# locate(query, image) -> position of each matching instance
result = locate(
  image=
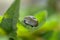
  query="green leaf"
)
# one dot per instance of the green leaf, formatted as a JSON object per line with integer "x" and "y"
{"x": 2, "y": 32}
{"x": 41, "y": 16}
{"x": 49, "y": 25}
{"x": 10, "y": 17}
{"x": 54, "y": 36}
{"x": 48, "y": 34}
{"x": 1, "y": 17}
{"x": 58, "y": 35}
{"x": 22, "y": 31}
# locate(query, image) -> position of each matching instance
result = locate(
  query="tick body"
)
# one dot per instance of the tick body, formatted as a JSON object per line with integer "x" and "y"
{"x": 30, "y": 20}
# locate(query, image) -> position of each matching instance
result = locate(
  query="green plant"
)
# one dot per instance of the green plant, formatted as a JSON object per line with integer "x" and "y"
{"x": 10, "y": 19}
{"x": 10, "y": 23}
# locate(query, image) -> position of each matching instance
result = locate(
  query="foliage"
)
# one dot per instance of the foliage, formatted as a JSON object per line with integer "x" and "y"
{"x": 47, "y": 28}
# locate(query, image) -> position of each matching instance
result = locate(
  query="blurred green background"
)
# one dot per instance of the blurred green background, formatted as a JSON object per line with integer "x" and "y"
{"x": 47, "y": 13}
